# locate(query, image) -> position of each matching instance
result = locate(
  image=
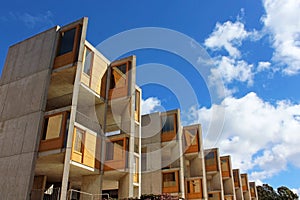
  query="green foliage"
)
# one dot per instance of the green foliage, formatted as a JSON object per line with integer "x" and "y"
{"x": 266, "y": 192}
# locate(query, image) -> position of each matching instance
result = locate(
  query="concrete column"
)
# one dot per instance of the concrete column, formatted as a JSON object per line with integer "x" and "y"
{"x": 91, "y": 184}
{"x": 125, "y": 188}
{"x": 39, "y": 185}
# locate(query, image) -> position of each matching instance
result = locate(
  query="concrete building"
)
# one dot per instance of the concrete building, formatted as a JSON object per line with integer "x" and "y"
{"x": 213, "y": 174}
{"x": 227, "y": 177}
{"x": 70, "y": 119}
{"x": 162, "y": 161}
{"x": 245, "y": 187}
{"x": 71, "y": 128}
{"x": 238, "y": 184}
{"x": 253, "y": 190}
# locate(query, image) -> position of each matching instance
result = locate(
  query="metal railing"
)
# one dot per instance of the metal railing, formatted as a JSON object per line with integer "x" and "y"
{"x": 49, "y": 194}
{"x": 79, "y": 195}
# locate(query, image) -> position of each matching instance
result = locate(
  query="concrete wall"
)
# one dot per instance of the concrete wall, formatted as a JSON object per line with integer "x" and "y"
{"x": 23, "y": 90}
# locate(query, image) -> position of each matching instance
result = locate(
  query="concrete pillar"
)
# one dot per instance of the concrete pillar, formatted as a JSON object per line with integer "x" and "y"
{"x": 91, "y": 184}
{"x": 125, "y": 188}
{"x": 39, "y": 185}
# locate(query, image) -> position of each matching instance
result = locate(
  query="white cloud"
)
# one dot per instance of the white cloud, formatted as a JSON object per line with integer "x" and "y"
{"x": 229, "y": 36}
{"x": 230, "y": 70}
{"x": 282, "y": 22}
{"x": 31, "y": 20}
{"x": 150, "y": 105}
{"x": 261, "y": 137}
{"x": 297, "y": 191}
{"x": 262, "y": 66}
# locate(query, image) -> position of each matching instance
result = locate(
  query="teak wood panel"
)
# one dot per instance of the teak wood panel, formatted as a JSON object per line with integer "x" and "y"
{"x": 171, "y": 189}
{"x": 193, "y": 194}
{"x": 55, "y": 143}
{"x": 193, "y": 147}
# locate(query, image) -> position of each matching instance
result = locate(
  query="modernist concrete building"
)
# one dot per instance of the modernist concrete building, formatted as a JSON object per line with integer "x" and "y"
{"x": 71, "y": 128}
{"x": 227, "y": 177}
{"x": 70, "y": 119}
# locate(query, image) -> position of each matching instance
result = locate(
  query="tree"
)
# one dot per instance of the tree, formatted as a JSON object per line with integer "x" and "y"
{"x": 266, "y": 192}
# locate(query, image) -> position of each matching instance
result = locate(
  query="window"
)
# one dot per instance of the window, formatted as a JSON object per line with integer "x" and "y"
{"x": 190, "y": 136}
{"x": 66, "y": 41}
{"x": 78, "y": 140}
{"x": 224, "y": 165}
{"x": 114, "y": 150}
{"x": 169, "y": 179}
{"x": 118, "y": 76}
{"x": 210, "y": 158}
{"x": 168, "y": 123}
{"x": 236, "y": 178}
{"x": 88, "y": 61}
{"x": 52, "y": 127}
{"x": 136, "y": 170}
{"x": 194, "y": 186}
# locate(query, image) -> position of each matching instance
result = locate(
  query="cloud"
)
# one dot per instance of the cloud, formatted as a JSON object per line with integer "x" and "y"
{"x": 282, "y": 22}
{"x": 230, "y": 70}
{"x": 229, "y": 36}
{"x": 260, "y": 136}
{"x": 262, "y": 66}
{"x": 150, "y": 105}
{"x": 297, "y": 191}
{"x": 31, "y": 20}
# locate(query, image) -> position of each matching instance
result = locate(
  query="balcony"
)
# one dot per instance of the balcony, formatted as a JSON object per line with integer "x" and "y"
{"x": 116, "y": 154}
{"x": 55, "y": 129}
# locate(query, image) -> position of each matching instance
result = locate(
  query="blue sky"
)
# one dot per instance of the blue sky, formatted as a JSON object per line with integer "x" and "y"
{"x": 254, "y": 46}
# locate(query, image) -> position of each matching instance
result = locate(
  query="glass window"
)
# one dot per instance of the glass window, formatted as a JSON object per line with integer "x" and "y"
{"x": 168, "y": 123}
{"x": 210, "y": 158}
{"x": 169, "y": 179}
{"x": 52, "y": 127}
{"x": 66, "y": 41}
{"x": 78, "y": 140}
{"x": 88, "y": 61}
{"x": 190, "y": 137}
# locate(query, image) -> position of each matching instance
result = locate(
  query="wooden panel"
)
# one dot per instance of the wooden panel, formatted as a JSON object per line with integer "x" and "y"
{"x": 98, "y": 70}
{"x": 171, "y": 188}
{"x": 55, "y": 143}
{"x": 85, "y": 79}
{"x": 76, "y": 156}
{"x": 195, "y": 188}
{"x": 89, "y": 150}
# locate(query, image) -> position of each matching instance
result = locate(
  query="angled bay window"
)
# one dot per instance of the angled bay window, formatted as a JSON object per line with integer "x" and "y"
{"x": 244, "y": 179}
{"x": 236, "y": 178}
{"x": 68, "y": 45}
{"x": 225, "y": 167}
{"x": 169, "y": 127}
{"x": 170, "y": 182}
{"x": 191, "y": 139}
{"x": 119, "y": 79}
{"x": 54, "y": 131}
{"x": 194, "y": 189}
{"x": 211, "y": 163}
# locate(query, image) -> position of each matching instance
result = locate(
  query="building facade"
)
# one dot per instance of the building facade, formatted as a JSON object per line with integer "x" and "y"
{"x": 71, "y": 128}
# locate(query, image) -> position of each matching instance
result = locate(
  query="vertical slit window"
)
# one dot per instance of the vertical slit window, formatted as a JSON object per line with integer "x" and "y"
{"x": 78, "y": 140}
{"x": 88, "y": 61}
{"x": 66, "y": 41}
{"x": 168, "y": 123}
